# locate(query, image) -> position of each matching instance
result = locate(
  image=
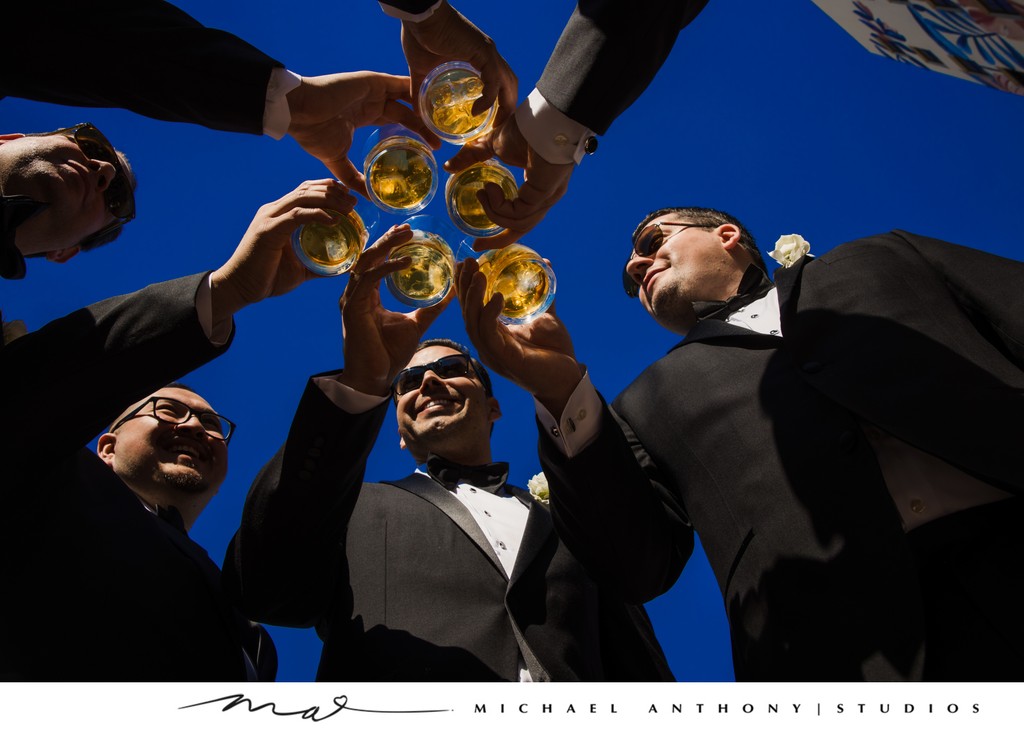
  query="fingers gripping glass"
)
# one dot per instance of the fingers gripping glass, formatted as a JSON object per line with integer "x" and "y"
{"x": 447, "y": 367}
{"x": 646, "y": 243}
{"x": 118, "y": 196}
{"x": 168, "y": 410}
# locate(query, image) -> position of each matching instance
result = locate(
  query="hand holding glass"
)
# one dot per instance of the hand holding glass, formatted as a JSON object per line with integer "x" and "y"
{"x": 524, "y": 279}
{"x": 446, "y": 100}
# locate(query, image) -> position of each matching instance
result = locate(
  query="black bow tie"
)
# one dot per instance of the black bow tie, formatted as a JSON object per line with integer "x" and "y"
{"x": 488, "y": 477}
{"x": 754, "y": 284}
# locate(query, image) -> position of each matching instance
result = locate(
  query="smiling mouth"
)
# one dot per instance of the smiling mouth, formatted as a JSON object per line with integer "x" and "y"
{"x": 438, "y": 404}
{"x": 184, "y": 449}
{"x": 649, "y": 277}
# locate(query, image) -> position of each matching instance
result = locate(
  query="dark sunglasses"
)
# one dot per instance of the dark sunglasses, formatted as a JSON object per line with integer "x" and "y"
{"x": 447, "y": 367}
{"x": 645, "y": 244}
{"x": 118, "y": 196}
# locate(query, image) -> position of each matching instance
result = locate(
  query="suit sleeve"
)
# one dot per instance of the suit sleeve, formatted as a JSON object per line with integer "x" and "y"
{"x": 608, "y": 53}
{"x": 67, "y": 381}
{"x": 142, "y": 55}
{"x": 284, "y": 562}
{"x": 989, "y": 288}
{"x": 615, "y": 515}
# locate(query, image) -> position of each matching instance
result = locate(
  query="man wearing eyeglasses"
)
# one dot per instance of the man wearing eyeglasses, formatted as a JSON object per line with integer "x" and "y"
{"x": 449, "y": 574}
{"x": 845, "y": 442}
{"x": 86, "y": 565}
{"x": 63, "y": 192}
{"x": 109, "y": 586}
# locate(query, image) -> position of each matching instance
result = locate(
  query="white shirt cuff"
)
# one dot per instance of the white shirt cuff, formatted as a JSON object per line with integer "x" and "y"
{"x": 218, "y": 333}
{"x": 580, "y": 422}
{"x": 277, "y": 116}
{"x": 413, "y": 17}
{"x": 556, "y": 138}
{"x": 350, "y": 400}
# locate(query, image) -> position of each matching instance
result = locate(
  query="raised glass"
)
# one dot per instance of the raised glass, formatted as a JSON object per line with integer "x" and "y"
{"x": 446, "y": 100}
{"x": 332, "y": 249}
{"x": 400, "y": 170}
{"x": 523, "y": 278}
{"x": 429, "y": 276}
{"x": 465, "y": 208}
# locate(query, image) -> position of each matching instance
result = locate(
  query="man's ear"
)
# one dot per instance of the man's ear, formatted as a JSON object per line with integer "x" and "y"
{"x": 63, "y": 255}
{"x": 728, "y": 235}
{"x": 494, "y": 409}
{"x": 105, "y": 448}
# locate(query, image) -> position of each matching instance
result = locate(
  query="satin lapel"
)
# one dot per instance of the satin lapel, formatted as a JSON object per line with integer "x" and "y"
{"x": 426, "y": 488}
{"x": 539, "y": 528}
{"x": 787, "y": 282}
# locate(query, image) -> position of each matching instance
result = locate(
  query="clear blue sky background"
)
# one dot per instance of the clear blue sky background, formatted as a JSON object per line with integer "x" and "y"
{"x": 767, "y": 110}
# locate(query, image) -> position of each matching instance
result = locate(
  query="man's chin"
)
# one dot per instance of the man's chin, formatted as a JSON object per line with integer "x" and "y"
{"x": 185, "y": 479}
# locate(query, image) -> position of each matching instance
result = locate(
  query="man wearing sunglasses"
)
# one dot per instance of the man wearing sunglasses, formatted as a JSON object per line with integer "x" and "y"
{"x": 80, "y": 550}
{"x": 171, "y": 67}
{"x": 845, "y": 442}
{"x": 63, "y": 192}
{"x": 449, "y": 574}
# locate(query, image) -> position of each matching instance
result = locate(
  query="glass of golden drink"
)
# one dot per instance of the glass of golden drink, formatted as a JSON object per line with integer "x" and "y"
{"x": 446, "y": 101}
{"x": 523, "y": 278}
{"x": 465, "y": 208}
{"x": 400, "y": 170}
{"x": 430, "y": 275}
{"x": 332, "y": 249}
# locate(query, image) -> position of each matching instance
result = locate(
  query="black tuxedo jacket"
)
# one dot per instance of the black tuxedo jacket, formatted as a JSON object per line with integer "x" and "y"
{"x": 95, "y": 586}
{"x": 154, "y": 59}
{"x": 401, "y": 583}
{"x": 608, "y": 53}
{"x": 755, "y": 441}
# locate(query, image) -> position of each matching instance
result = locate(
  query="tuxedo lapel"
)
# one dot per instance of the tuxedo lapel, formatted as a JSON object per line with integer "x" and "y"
{"x": 539, "y": 528}
{"x": 429, "y": 490}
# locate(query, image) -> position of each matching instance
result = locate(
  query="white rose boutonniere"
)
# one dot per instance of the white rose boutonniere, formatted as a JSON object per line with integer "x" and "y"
{"x": 538, "y": 486}
{"x": 789, "y": 248}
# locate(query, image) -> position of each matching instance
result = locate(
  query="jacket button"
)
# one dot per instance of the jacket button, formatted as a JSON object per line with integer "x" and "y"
{"x": 847, "y": 441}
{"x": 811, "y": 367}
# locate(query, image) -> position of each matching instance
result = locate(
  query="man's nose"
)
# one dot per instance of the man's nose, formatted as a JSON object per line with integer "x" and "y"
{"x": 431, "y": 377}
{"x": 104, "y": 173}
{"x": 637, "y": 267}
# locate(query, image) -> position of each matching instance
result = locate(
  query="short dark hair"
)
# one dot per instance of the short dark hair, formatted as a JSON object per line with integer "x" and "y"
{"x": 709, "y": 218}
{"x": 485, "y": 378}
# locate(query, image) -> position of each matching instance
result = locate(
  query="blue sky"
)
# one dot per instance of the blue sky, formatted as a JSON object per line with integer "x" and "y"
{"x": 766, "y": 110}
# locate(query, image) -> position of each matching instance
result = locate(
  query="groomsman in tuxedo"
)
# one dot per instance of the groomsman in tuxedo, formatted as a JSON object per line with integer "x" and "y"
{"x": 448, "y": 574}
{"x": 844, "y": 440}
{"x": 102, "y": 582}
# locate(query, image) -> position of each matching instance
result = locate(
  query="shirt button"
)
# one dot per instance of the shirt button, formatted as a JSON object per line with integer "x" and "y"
{"x": 582, "y": 414}
{"x": 502, "y": 545}
{"x": 487, "y": 513}
{"x": 753, "y": 315}
{"x": 917, "y": 506}
{"x": 472, "y": 490}
{"x": 775, "y": 332}
{"x": 554, "y": 431}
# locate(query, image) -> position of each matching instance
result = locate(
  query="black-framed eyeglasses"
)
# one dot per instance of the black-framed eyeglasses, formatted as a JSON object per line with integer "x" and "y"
{"x": 175, "y": 412}
{"x": 118, "y": 195}
{"x": 447, "y": 367}
{"x": 646, "y": 243}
